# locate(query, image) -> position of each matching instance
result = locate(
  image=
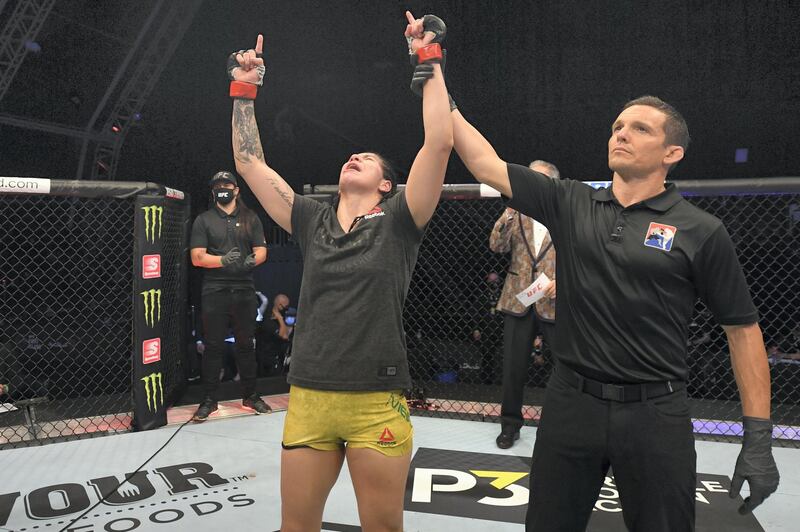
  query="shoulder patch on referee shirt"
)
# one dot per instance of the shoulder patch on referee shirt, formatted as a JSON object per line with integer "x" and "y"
{"x": 660, "y": 236}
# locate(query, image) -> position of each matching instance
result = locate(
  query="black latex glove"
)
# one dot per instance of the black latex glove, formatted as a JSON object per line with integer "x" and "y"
{"x": 422, "y": 73}
{"x": 250, "y": 261}
{"x": 230, "y": 257}
{"x": 755, "y": 464}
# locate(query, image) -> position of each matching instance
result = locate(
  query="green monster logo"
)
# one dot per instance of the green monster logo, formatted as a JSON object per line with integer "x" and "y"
{"x": 152, "y": 306}
{"x": 150, "y": 390}
{"x": 152, "y": 222}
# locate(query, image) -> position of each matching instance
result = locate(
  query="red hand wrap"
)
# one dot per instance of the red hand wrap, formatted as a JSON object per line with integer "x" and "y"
{"x": 240, "y": 89}
{"x": 429, "y": 53}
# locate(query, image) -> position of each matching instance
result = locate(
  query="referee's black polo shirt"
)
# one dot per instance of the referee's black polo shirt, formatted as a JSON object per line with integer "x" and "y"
{"x": 219, "y": 233}
{"x": 628, "y": 277}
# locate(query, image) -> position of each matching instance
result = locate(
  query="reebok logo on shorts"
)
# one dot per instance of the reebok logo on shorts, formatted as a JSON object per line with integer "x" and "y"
{"x": 387, "y": 438}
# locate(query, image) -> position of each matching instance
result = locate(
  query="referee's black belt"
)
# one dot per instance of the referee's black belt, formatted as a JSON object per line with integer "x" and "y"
{"x": 622, "y": 393}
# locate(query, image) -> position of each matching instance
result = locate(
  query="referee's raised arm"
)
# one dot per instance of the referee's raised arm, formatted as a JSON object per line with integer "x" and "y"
{"x": 479, "y": 156}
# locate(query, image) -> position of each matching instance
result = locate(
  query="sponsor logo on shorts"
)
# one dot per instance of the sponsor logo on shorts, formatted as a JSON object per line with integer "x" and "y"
{"x": 387, "y": 438}
{"x": 660, "y": 236}
{"x": 398, "y": 403}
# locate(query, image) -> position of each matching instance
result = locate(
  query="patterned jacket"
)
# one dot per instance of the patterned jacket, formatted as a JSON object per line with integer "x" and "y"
{"x": 516, "y": 236}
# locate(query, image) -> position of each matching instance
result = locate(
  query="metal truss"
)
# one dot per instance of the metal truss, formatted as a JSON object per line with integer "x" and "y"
{"x": 23, "y": 25}
{"x": 125, "y": 96}
{"x": 162, "y": 37}
{"x": 52, "y": 127}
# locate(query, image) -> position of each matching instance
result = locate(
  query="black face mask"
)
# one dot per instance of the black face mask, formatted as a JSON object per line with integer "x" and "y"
{"x": 223, "y": 196}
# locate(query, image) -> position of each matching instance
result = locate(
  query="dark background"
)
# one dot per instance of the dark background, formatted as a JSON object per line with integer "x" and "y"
{"x": 541, "y": 79}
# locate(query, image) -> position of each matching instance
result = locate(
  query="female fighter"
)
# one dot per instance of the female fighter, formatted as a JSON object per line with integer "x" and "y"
{"x": 349, "y": 361}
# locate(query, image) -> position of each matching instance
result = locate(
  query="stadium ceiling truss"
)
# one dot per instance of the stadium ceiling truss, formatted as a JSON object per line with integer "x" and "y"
{"x": 121, "y": 105}
{"x": 22, "y": 27}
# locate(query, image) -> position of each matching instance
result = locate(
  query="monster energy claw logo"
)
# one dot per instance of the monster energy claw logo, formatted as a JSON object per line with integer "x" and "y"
{"x": 150, "y": 390}
{"x": 152, "y": 306}
{"x": 152, "y": 222}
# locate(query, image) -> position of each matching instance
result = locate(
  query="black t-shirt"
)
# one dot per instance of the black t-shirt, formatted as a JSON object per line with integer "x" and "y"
{"x": 218, "y": 233}
{"x": 267, "y": 338}
{"x": 628, "y": 277}
{"x": 349, "y": 331}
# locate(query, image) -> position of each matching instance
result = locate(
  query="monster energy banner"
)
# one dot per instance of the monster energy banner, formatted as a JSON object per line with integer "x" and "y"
{"x": 148, "y": 369}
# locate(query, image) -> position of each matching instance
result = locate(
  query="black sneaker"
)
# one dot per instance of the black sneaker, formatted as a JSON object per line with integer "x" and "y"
{"x": 205, "y": 408}
{"x": 507, "y": 437}
{"x": 257, "y": 404}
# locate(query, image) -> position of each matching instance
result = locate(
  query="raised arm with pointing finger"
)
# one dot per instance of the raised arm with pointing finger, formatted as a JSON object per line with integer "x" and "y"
{"x": 246, "y": 67}
{"x": 246, "y": 70}
{"x": 427, "y": 173}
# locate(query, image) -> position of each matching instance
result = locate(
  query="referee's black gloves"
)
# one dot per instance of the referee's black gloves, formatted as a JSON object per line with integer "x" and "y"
{"x": 755, "y": 464}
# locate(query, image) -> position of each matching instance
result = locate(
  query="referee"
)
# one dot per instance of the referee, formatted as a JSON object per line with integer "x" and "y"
{"x": 228, "y": 242}
{"x": 632, "y": 259}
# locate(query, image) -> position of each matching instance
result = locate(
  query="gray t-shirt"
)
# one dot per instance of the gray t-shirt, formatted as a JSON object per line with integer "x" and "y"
{"x": 349, "y": 332}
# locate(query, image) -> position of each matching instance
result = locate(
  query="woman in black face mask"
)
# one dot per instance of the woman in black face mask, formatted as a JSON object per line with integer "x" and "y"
{"x": 225, "y": 194}
{"x": 228, "y": 240}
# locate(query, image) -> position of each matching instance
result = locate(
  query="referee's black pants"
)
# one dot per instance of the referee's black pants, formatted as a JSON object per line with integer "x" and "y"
{"x": 649, "y": 445}
{"x": 518, "y": 335}
{"x": 222, "y": 308}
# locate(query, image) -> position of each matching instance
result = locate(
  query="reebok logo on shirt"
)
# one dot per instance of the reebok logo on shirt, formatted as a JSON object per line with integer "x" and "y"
{"x": 377, "y": 211}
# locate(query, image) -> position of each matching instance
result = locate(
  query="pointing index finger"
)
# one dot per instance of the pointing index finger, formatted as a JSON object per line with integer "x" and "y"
{"x": 410, "y": 17}
{"x": 259, "y": 43}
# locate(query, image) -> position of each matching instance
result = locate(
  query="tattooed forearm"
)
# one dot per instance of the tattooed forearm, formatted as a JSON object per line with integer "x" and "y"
{"x": 246, "y": 140}
{"x": 283, "y": 190}
{"x": 247, "y": 146}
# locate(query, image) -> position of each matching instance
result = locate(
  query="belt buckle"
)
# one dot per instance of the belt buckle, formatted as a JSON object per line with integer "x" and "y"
{"x": 613, "y": 392}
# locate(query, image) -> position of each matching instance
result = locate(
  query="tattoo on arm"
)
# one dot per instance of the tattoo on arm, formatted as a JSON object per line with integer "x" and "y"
{"x": 247, "y": 145}
{"x": 246, "y": 140}
{"x": 283, "y": 190}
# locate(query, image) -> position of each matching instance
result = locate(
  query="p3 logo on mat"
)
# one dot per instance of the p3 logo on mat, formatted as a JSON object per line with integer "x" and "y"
{"x": 494, "y": 487}
{"x": 463, "y": 484}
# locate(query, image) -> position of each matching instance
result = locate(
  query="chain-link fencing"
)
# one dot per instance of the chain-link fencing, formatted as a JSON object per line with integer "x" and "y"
{"x": 67, "y": 268}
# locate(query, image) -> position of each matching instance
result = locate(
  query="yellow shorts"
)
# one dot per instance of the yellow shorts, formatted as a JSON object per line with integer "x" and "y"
{"x": 329, "y": 420}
